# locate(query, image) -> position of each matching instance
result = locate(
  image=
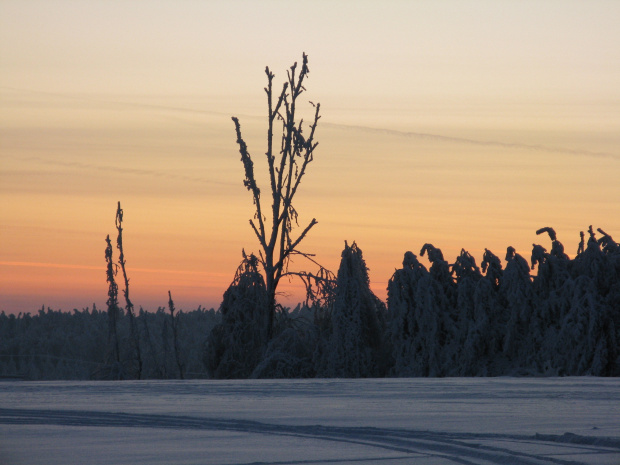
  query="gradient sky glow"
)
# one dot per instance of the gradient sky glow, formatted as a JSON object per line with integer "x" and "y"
{"x": 463, "y": 124}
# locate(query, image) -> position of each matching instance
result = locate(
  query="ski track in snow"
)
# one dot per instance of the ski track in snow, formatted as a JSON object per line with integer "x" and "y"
{"x": 460, "y": 448}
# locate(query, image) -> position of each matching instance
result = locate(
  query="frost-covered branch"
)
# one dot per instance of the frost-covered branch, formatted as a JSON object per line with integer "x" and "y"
{"x": 286, "y": 170}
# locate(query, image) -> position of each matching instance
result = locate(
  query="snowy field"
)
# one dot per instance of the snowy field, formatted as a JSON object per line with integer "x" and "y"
{"x": 383, "y": 421}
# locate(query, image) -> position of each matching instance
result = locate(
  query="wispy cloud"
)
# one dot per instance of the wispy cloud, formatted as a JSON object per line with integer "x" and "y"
{"x": 125, "y": 170}
{"x": 112, "y": 101}
{"x": 51, "y": 265}
{"x": 99, "y": 268}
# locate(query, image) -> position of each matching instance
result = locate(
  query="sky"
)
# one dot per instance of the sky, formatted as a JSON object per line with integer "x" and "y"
{"x": 462, "y": 124}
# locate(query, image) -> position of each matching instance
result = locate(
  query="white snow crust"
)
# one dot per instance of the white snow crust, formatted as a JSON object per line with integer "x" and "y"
{"x": 316, "y": 421}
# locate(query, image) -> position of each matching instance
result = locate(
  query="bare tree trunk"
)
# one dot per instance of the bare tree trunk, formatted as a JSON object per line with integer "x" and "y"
{"x": 175, "y": 337}
{"x": 113, "y": 310}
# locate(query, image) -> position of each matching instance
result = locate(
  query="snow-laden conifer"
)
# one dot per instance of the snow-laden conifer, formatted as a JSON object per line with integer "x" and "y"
{"x": 355, "y": 344}
{"x": 516, "y": 293}
{"x": 485, "y": 336}
{"x": 403, "y": 314}
{"x": 551, "y": 288}
{"x": 236, "y": 346}
{"x": 472, "y": 321}
{"x": 434, "y": 343}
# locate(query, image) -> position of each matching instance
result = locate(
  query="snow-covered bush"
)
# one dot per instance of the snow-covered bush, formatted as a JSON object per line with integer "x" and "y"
{"x": 289, "y": 354}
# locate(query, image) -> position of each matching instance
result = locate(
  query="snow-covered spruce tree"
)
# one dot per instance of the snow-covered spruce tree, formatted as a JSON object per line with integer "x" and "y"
{"x": 236, "y": 346}
{"x": 287, "y": 163}
{"x": 611, "y": 249}
{"x": 516, "y": 293}
{"x": 487, "y": 337}
{"x": 588, "y": 338}
{"x": 355, "y": 348}
{"x": 551, "y": 288}
{"x": 577, "y": 341}
{"x": 472, "y": 323}
{"x": 435, "y": 343}
{"x": 601, "y": 261}
{"x": 554, "y": 266}
{"x": 492, "y": 267}
{"x": 403, "y": 314}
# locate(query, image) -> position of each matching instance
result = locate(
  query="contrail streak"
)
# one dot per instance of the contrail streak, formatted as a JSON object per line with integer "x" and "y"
{"x": 477, "y": 142}
{"x": 350, "y": 127}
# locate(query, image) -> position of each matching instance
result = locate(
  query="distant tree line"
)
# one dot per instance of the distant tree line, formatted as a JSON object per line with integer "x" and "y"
{"x": 447, "y": 320}
{"x": 53, "y": 344}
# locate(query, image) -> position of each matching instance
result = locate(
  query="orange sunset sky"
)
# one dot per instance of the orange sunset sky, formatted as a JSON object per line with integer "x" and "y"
{"x": 466, "y": 124}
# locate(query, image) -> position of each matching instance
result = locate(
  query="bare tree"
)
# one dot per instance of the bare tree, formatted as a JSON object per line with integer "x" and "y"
{"x": 113, "y": 309}
{"x": 287, "y": 166}
{"x": 128, "y": 303}
{"x": 175, "y": 334}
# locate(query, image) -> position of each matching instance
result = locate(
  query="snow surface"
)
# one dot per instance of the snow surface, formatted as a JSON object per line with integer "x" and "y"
{"x": 391, "y": 421}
